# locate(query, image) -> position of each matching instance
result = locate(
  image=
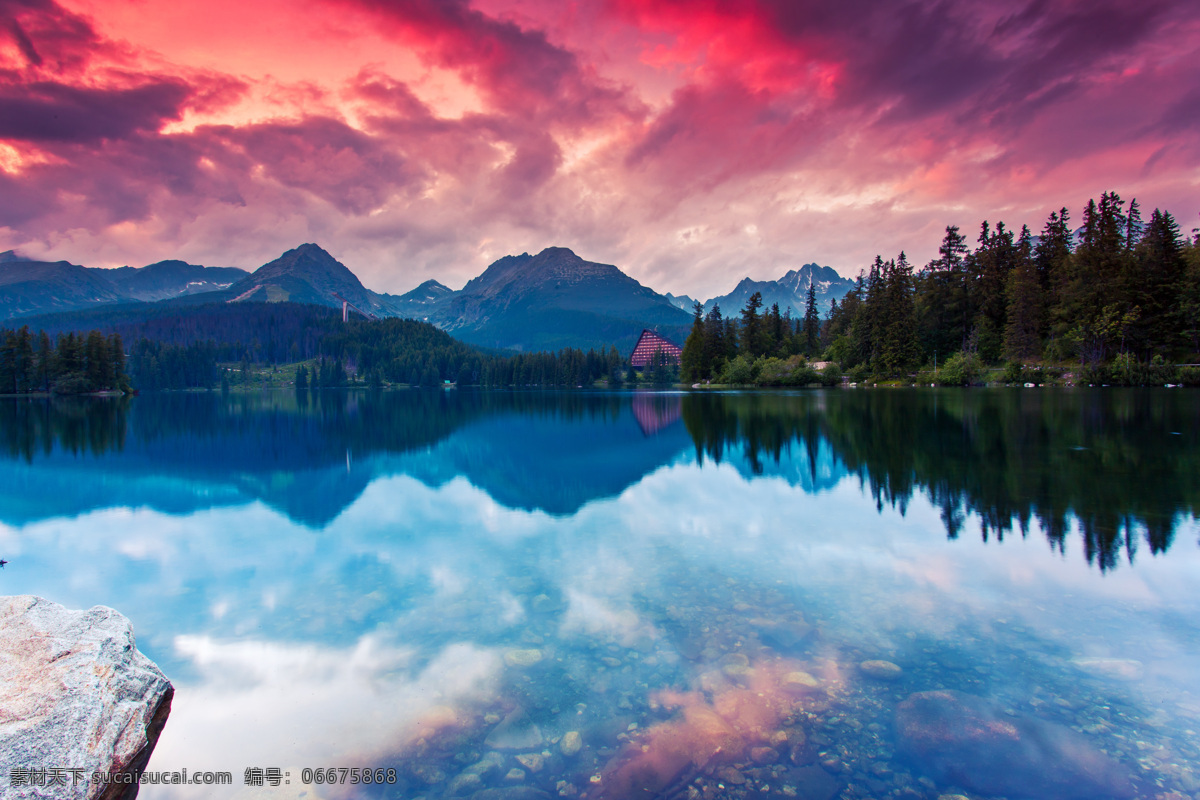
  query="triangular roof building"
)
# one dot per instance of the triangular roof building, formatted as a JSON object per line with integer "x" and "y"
{"x": 651, "y": 343}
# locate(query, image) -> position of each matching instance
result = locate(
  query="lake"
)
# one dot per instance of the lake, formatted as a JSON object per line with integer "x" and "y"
{"x": 858, "y": 594}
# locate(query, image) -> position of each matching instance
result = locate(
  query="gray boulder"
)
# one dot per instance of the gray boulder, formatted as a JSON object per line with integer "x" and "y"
{"x": 75, "y": 694}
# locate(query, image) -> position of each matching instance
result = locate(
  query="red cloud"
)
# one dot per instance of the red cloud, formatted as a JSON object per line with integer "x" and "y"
{"x": 761, "y": 127}
{"x": 519, "y": 70}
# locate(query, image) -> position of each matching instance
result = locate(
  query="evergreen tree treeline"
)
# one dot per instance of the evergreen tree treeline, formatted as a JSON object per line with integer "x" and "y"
{"x": 1127, "y": 292}
{"x": 73, "y": 364}
{"x": 377, "y": 351}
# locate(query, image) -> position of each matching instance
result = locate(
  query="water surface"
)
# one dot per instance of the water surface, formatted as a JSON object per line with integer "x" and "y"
{"x": 690, "y": 589}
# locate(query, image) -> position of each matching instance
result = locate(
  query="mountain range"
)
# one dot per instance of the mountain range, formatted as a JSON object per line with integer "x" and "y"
{"x": 30, "y": 287}
{"x": 546, "y": 301}
{"x": 790, "y": 291}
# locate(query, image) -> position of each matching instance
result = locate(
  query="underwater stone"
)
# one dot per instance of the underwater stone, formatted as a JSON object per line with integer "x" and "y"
{"x": 531, "y": 761}
{"x": 969, "y": 741}
{"x": 464, "y": 784}
{"x": 516, "y": 732}
{"x": 731, "y": 775}
{"x": 880, "y": 670}
{"x": 800, "y": 680}
{"x": 812, "y": 783}
{"x": 522, "y": 658}
{"x": 763, "y": 755}
{"x": 571, "y": 743}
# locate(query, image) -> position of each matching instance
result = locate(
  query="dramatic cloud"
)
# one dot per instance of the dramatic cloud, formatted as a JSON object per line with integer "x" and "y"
{"x": 690, "y": 142}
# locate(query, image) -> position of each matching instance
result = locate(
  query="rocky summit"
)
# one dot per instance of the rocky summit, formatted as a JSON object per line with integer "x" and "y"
{"x": 75, "y": 693}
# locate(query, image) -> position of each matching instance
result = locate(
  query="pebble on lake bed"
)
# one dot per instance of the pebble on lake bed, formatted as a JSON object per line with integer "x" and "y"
{"x": 880, "y": 670}
{"x": 522, "y": 658}
{"x": 531, "y": 761}
{"x": 571, "y": 743}
{"x": 800, "y": 680}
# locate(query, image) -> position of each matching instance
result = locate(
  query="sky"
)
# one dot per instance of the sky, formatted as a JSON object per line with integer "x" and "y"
{"x": 689, "y": 142}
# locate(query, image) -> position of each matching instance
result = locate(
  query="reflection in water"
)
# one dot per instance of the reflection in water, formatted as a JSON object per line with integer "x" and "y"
{"x": 1122, "y": 464}
{"x": 720, "y": 596}
{"x": 656, "y": 411}
{"x": 1122, "y": 467}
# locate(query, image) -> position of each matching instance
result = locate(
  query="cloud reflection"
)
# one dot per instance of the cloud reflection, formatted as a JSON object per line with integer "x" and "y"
{"x": 260, "y": 703}
{"x": 349, "y": 644}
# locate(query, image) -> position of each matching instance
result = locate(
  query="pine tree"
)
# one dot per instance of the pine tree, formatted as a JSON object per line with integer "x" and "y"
{"x": 866, "y": 329}
{"x": 116, "y": 360}
{"x": 775, "y": 334}
{"x": 1052, "y": 255}
{"x": 898, "y": 349}
{"x": 715, "y": 349}
{"x": 24, "y": 363}
{"x": 44, "y": 362}
{"x": 1098, "y": 300}
{"x": 812, "y": 322}
{"x": 989, "y": 267}
{"x": 752, "y": 328}
{"x": 943, "y": 314}
{"x": 692, "y": 367}
{"x": 614, "y": 367}
{"x": 1161, "y": 268}
{"x": 1022, "y": 339}
{"x": 98, "y": 370}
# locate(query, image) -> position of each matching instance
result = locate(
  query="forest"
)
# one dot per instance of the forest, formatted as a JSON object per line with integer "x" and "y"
{"x": 190, "y": 355}
{"x": 71, "y": 364}
{"x": 1116, "y": 301}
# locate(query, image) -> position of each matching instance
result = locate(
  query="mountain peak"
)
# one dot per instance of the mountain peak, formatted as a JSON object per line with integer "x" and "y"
{"x": 790, "y": 291}
{"x": 558, "y": 252}
{"x": 307, "y": 259}
{"x": 305, "y": 274}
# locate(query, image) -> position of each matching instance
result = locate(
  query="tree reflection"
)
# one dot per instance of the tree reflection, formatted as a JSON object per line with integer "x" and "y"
{"x": 1119, "y": 466}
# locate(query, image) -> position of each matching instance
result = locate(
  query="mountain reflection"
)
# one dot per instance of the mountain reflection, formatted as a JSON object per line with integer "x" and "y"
{"x": 1120, "y": 466}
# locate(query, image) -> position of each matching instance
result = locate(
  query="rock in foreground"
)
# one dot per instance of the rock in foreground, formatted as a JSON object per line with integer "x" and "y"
{"x": 75, "y": 694}
{"x": 968, "y": 741}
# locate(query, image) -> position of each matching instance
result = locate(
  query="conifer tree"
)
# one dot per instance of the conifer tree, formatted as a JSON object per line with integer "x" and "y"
{"x": 1161, "y": 270}
{"x": 751, "y": 340}
{"x": 812, "y": 322}
{"x": 116, "y": 358}
{"x": 774, "y": 334}
{"x": 898, "y": 349}
{"x": 691, "y": 361}
{"x": 1052, "y": 255}
{"x": 44, "y": 368}
{"x": 1022, "y": 333}
{"x": 866, "y": 330}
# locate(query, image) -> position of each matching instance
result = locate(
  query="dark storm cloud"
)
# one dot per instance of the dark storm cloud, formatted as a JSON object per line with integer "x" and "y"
{"x": 54, "y": 112}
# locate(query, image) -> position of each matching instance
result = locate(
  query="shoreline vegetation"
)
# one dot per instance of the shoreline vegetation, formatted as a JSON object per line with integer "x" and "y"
{"x": 1116, "y": 302}
{"x": 1113, "y": 303}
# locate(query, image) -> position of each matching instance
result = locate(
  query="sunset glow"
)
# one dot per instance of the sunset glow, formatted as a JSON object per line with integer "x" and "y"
{"x": 690, "y": 143}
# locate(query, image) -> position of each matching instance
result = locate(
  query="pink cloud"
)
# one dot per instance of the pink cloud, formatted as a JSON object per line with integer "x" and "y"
{"x": 689, "y": 142}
